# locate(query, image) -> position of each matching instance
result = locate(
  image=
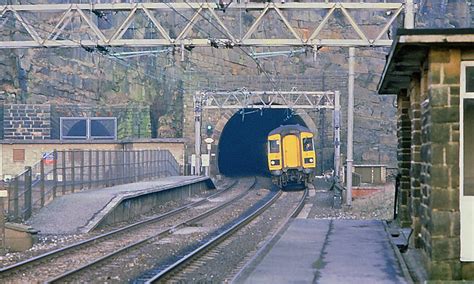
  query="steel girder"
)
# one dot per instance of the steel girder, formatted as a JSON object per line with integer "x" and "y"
{"x": 88, "y": 14}
{"x": 242, "y": 99}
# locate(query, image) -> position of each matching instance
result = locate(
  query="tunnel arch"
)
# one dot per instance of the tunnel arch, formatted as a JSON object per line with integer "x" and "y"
{"x": 240, "y": 138}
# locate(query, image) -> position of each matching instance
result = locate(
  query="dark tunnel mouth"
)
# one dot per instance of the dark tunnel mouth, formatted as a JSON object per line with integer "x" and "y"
{"x": 242, "y": 144}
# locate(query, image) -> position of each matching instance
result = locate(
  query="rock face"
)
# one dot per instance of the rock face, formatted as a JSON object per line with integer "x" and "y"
{"x": 166, "y": 84}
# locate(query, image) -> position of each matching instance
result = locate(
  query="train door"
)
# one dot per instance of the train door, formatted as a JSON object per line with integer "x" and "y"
{"x": 291, "y": 151}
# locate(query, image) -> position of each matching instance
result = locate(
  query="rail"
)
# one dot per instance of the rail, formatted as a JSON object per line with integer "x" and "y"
{"x": 62, "y": 172}
{"x": 160, "y": 275}
{"x": 37, "y": 260}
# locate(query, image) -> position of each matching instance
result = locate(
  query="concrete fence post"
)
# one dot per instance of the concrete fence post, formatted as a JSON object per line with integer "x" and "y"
{"x": 42, "y": 178}
{"x": 89, "y": 174}
{"x": 110, "y": 171}
{"x": 15, "y": 198}
{"x": 55, "y": 173}
{"x": 134, "y": 172}
{"x": 64, "y": 178}
{"x": 28, "y": 193}
{"x": 3, "y": 196}
{"x": 97, "y": 167}
{"x": 73, "y": 170}
{"x": 104, "y": 170}
{"x": 139, "y": 166}
{"x": 82, "y": 170}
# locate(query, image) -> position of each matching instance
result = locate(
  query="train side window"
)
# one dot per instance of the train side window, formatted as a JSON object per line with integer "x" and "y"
{"x": 274, "y": 146}
{"x": 308, "y": 144}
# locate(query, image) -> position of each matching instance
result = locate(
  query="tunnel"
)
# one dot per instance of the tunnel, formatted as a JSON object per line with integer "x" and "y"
{"x": 242, "y": 145}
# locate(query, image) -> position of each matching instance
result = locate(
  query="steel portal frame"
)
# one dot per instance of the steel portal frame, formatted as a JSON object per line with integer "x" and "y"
{"x": 245, "y": 99}
{"x": 88, "y": 13}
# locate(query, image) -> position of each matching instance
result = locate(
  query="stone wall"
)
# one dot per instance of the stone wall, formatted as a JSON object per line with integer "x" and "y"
{"x": 404, "y": 156}
{"x": 27, "y": 122}
{"x": 442, "y": 228}
{"x": 64, "y": 76}
{"x": 428, "y": 139}
{"x": 415, "y": 158}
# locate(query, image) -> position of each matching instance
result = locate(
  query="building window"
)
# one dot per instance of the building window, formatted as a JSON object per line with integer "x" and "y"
{"x": 18, "y": 155}
{"x": 469, "y": 79}
{"x": 93, "y": 128}
{"x": 466, "y": 160}
{"x": 468, "y": 139}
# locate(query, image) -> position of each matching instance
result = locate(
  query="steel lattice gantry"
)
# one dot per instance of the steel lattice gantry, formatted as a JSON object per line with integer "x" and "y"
{"x": 243, "y": 98}
{"x": 48, "y": 29}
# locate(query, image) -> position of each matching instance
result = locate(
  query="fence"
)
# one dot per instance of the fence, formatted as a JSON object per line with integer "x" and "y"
{"x": 62, "y": 172}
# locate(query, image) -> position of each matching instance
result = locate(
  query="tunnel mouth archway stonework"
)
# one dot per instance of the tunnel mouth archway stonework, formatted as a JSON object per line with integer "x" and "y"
{"x": 221, "y": 120}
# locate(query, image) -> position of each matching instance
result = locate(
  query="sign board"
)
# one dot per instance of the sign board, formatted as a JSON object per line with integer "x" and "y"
{"x": 193, "y": 159}
{"x": 48, "y": 158}
{"x": 205, "y": 160}
{"x": 3, "y": 193}
{"x": 209, "y": 140}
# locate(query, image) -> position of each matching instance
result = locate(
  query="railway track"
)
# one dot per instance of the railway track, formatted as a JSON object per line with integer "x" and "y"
{"x": 98, "y": 248}
{"x": 210, "y": 248}
{"x": 99, "y": 269}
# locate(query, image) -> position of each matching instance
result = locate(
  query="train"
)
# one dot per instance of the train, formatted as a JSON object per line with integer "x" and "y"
{"x": 291, "y": 155}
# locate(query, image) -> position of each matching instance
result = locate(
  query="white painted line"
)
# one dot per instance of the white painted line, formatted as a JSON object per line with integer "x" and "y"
{"x": 305, "y": 212}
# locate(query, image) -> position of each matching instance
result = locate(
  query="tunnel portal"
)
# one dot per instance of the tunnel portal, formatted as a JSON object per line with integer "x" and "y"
{"x": 242, "y": 145}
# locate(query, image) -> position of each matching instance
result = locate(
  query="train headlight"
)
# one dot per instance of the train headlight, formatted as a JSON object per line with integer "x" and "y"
{"x": 311, "y": 160}
{"x": 272, "y": 163}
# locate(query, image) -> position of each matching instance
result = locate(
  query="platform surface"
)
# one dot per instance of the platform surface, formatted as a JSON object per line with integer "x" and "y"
{"x": 68, "y": 214}
{"x": 328, "y": 251}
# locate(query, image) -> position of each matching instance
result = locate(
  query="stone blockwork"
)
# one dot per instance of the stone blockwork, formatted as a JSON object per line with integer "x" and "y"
{"x": 404, "y": 155}
{"x": 64, "y": 76}
{"x": 27, "y": 122}
{"x": 441, "y": 229}
{"x": 428, "y": 147}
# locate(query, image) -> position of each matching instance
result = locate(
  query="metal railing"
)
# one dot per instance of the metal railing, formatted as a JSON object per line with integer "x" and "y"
{"x": 62, "y": 172}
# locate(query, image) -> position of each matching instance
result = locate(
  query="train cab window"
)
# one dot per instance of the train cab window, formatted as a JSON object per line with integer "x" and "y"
{"x": 308, "y": 144}
{"x": 274, "y": 146}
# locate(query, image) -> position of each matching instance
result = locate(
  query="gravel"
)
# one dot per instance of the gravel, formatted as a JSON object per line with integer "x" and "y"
{"x": 49, "y": 242}
{"x": 375, "y": 206}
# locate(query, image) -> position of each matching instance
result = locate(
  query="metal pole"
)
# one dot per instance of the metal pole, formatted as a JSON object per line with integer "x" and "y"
{"x": 350, "y": 126}
{"x": 409, "y": 15}
{"x": 337, "y": 133}
{"x": 28, "y": 193}
{"x": 197, "y": 132}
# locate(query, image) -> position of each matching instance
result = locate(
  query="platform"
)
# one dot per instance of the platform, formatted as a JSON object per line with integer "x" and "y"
{"x": 328, "y": 251}
{"x": 84, "y": 210}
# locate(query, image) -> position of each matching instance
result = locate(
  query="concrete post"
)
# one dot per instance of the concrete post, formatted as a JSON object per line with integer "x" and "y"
{"x": 350, "y": 126}
{"x": 197, "y": 132}
{"x": 337, "y": 133}
{"x": 3, "y": 197}
{"x": 409, "y": 22}
{"x": 42, "y": 181}
{"x": 73, "y": 170}
{"x": 55, "y": 173}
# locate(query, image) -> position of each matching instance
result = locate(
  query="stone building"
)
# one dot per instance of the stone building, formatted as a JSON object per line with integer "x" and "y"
{"x": 432, "y": 73}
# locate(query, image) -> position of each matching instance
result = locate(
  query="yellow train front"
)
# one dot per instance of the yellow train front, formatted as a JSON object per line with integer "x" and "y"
{"x": 291, "y": 155}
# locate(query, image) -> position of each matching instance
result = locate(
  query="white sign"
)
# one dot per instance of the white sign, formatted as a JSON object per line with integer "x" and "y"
{"x": 209, "y": 140}
{"x": 193, "y": 159}
{"x": 205, "y": 160}
{"x": 3, "y": 193}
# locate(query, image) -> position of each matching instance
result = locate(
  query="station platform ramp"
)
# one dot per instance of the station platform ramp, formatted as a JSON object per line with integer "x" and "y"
{"x": 84, "y": 211}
